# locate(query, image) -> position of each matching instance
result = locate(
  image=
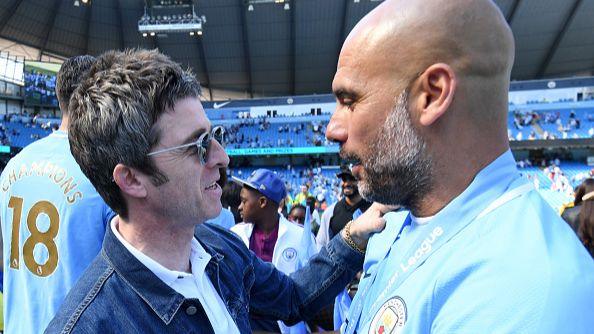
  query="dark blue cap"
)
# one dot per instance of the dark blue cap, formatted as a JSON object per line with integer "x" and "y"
{"x": 267, "y": 183}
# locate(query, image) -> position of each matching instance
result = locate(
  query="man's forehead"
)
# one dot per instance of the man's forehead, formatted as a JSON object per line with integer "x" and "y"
{"x": 186, "y": 118}
{"x": 366, "y": 50}
{"x": 248, "y": 192}
{"x": 244, "y": 192}
{"x": 345, "y": 78}
{"x": 356, "y": 64}
{"x": 298, "y": 212}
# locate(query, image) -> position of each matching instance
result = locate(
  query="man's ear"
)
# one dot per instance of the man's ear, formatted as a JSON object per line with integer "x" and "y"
{"x": 262, "y": 202}
{"x": 130, "y": 181}
{"x": 437, "y": 87}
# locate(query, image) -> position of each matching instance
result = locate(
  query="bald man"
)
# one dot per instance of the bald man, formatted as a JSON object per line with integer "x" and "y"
{"x": 421, "y": 90}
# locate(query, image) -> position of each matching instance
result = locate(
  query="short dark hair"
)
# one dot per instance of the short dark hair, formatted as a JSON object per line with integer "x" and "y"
{"x": 296, "y": 207}
{"x": 72, "y": 72}
{"x": 311, "y": 202}
{"x": 113, "y": 113}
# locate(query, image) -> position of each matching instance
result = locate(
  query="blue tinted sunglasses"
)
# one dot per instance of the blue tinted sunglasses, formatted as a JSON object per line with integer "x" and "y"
{"x": 202, "y": 144}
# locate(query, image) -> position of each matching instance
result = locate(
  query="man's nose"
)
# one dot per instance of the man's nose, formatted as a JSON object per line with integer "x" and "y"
{"x": 336, "y": 130}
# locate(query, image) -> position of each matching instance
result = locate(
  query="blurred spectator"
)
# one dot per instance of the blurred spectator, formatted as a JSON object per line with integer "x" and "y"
{"x": 315, "y": 215}
{"x": 297, "y": 214}
{"x": 339, "y": 214}
{"x": 302, "y": 196}
{"x": 580, "y": 214}
{"x": 230, "y": 199}
{"x": 570, "y": 212}
{"x": 225, "y": 219}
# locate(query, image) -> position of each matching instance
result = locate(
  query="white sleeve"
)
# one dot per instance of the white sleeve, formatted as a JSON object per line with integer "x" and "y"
{"x": 323, "y": 236}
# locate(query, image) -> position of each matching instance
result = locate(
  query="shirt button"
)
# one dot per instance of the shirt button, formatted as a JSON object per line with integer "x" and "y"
{"x": 191, "y": 310}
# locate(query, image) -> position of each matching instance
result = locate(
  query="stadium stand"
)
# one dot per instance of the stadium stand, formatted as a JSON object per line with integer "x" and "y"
{"x": 300, "y": 122}
{"x": 300, "y": 131}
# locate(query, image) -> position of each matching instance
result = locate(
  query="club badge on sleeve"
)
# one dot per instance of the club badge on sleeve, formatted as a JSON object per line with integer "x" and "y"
{"x": 390, "y": 318}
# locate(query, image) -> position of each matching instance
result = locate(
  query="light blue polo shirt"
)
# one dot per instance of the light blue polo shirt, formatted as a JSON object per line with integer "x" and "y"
{"x": 225, "y": 219}
{"x": 518, "y": 268}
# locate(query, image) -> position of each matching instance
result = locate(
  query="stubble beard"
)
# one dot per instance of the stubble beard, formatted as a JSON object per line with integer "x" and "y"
{"x": 397, "y": 170}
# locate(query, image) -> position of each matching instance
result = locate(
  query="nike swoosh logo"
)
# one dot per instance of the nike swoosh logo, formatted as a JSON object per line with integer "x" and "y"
{"x": 220, "y": 105}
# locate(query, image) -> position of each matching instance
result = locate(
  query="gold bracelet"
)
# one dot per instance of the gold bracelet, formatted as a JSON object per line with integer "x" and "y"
{"x": 349, "y": 240}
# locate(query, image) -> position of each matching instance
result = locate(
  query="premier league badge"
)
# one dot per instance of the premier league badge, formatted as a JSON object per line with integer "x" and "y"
{"x": 390, "y": 318}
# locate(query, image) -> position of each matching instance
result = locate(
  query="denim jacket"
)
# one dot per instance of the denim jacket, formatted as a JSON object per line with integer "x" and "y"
{"x": 117, "y": 294}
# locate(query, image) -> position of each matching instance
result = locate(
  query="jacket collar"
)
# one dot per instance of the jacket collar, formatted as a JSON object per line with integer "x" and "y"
{"x": 162, "y": 299}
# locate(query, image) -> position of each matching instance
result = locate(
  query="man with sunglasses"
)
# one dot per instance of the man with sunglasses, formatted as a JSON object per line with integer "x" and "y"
{"x": 141, "y": 136}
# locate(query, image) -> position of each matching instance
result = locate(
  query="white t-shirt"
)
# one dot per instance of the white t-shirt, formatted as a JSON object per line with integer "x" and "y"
{"x": 195, "y": 285}
{"x": 420, "y": 220}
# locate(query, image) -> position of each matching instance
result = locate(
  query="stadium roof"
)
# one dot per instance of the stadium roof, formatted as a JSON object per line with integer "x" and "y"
{"x": 271, "y": 51}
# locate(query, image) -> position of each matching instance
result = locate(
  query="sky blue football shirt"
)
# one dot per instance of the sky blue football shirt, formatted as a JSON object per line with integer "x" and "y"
{"x": 53, "y": 222}
{"x": 517, "y": 269}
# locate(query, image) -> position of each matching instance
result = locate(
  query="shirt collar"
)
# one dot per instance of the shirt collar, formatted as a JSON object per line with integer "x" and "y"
{"x": 488, "y": 184}
{"x": 198, "y": 259}
{"x": 421, "y": 220}
{"x": 161, "y": 298}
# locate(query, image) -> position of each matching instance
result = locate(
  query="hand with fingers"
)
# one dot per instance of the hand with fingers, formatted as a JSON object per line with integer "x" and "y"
{"x": 357, "y": 232}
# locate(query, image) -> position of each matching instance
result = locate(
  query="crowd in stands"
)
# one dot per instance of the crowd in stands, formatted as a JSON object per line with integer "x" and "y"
{"x": 550, "y": 125}
{"x": 261, "y": 133}
{"x": 40, "y": 88}
{"x": 545, "y": 100}
{"x": 555, "y": 179}
{"x": 20, "y": 131}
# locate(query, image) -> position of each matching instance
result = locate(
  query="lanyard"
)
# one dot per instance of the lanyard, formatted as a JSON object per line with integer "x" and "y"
{"x": 421, "y": 249}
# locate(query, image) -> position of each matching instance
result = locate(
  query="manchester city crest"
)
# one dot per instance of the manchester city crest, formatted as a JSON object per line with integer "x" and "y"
{"x": 390, "y": 318}
{"x": 289, "y": 254}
